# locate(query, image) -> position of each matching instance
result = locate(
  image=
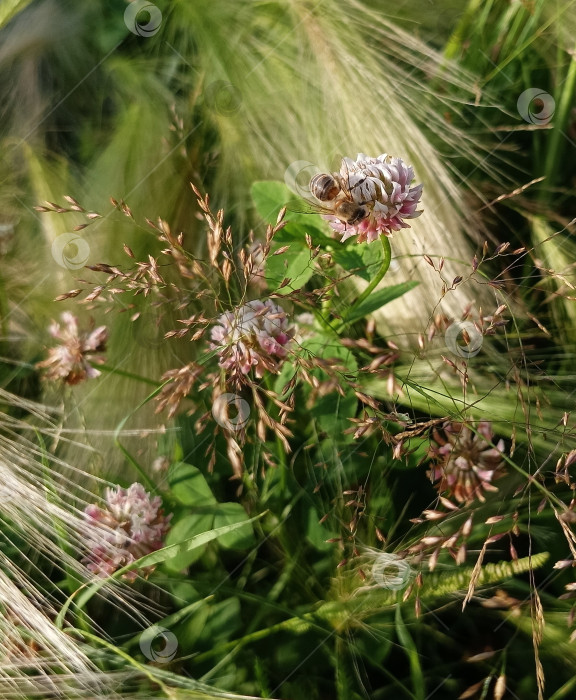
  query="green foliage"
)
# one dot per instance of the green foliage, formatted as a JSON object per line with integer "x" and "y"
{"x": 291, "y": 266}
{"x": 268, "y": 577}
{"x": 201, "y": 514}
{"x": 378, "y": 299}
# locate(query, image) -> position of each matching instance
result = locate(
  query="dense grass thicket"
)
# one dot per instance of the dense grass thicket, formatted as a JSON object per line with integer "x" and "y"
{"x": 288, "y": 314}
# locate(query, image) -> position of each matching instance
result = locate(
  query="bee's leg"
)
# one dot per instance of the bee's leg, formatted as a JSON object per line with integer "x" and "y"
{"x": 360, "y": 182}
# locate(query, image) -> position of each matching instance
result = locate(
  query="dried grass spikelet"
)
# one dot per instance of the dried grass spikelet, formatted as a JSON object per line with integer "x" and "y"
{"x": 537, "y": 634}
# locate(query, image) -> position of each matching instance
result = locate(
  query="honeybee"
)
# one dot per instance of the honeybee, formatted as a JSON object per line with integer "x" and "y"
{"x": 335, "y": 193}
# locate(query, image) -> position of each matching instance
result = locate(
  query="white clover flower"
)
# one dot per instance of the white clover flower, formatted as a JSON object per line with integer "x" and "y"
{"x": 252, "y": 336}
{"x": 382, "y": 186}
{"x": 465, "y": 463}
{"x": 130, "y": 525}
{"x": 70, "y": 361}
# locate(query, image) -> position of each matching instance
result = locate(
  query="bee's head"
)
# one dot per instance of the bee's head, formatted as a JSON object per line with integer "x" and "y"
{"x": 352, "y": 213}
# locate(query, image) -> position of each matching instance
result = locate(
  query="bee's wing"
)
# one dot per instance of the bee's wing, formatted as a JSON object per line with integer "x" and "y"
{"x": 306, "y": 206}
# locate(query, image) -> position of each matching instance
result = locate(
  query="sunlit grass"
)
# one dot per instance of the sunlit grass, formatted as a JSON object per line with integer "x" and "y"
{"x": 223, "y": 95}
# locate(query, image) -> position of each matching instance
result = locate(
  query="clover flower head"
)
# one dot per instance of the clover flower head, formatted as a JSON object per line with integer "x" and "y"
{"x": 130, "y": 525}
{"x": 254, "y": 335}
{"x": 465, "y": 461}
{"x": 70, "y": 360}
{"x": 383, "y": 187}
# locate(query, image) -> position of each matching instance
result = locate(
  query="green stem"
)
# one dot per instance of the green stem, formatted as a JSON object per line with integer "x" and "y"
{"x": 70, "y": 577}
{"x": 387, "y": 256}
{"x": 321, "y": 320}
{"x": 146, "y": 479}
{"x": 562, "y": 116}
{"x": 293, "y": 624}
{"x": 128, "y": 375}
{"x": 456, "y": 40}
{"x": 280, "y": 451}
{"x": 143, "y": 668}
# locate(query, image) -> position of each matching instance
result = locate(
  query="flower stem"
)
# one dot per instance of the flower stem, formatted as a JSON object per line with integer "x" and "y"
{"x": 561, "y": 125}
{"x": 387, "y": 256}
{"x": 127, "y": 375}
{"x": 134, "y": 462}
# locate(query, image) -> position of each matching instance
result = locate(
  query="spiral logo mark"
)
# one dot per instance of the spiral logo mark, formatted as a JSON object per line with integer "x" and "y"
{"x": 298, "y": 175}
{"x": 224, "y": 405}
{"x": 142, "y": 18}
{"x": 71, "y": 251}
{"x": 222, "y": 98}
{"x": 536, "y": 106}
{"x": 389, "y": 571}
{"x": 470, "y": 334}
{"x": 151, "y": 635}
